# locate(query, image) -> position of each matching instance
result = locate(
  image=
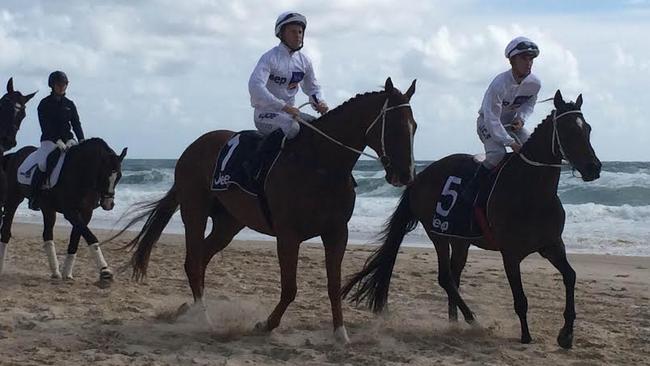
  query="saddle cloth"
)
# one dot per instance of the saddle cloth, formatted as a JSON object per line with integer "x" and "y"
{"x": 454, "y": 216}
{"x": 30, "y": 164}
{"x": 231, "y": 166}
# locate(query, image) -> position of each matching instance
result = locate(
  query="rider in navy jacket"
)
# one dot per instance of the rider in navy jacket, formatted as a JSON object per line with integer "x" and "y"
{"x": 58, "y": 117}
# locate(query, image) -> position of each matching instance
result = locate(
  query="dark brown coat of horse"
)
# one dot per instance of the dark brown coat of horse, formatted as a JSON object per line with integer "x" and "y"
{"x": 524, "y": 213}
{"x": 309, "y": 192}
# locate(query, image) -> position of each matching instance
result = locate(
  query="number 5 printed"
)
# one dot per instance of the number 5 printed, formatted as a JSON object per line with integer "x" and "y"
{"x": 448, "y": 190}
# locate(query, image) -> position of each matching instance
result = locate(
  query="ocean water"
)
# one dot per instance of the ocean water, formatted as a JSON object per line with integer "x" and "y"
{"x": 608, "y": 216}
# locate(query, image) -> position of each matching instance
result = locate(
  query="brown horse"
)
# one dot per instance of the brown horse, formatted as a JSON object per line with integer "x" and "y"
{"x": 309, "y": 192}
{"x": 524, "y": 214}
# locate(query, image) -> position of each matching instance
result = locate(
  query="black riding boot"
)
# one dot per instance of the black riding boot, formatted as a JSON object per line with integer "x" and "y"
{"x": 269, "y": 145}
{"x": 470, "y": 192}
{"x": 37, "y": 182}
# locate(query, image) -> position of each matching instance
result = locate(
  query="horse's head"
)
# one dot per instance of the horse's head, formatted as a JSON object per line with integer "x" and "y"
{"x": 12, "y": 113}
{"x": 391, "y": 135}
{"x": 571, "y": 135}
{"x": 108, "y": 170}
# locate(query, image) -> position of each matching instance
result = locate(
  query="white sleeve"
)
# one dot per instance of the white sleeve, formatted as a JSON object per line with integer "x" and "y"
{"x": 309, "y": 84}
{"x": 260, "y": 95}
{"x": 526, "y": 109}
{"x": 491, "y": 107}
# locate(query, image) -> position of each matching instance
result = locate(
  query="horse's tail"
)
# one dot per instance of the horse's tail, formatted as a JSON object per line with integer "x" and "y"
{"x": 158, "y": 214}
{"x": 374, "y": 279}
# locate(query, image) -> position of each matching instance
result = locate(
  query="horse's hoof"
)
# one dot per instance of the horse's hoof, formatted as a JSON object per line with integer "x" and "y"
{"x": 55, "y": 276}
{"x": 474, "y": 323}
{"x": 106, "y": 275}
{"x": 262, "y": 327}
{"x": 525, "y": 339}
{"x": 341, "y": 335}
{"x": 565, "y": 338}
{"x": 68, "y": 278}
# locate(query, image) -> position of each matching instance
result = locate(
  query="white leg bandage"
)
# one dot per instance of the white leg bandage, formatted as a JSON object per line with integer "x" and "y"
{"x": 3, "y": 254}
{"x": 99, "y": 257}
{"x": 68, "y": 264}
{"x": 52, "y": 260}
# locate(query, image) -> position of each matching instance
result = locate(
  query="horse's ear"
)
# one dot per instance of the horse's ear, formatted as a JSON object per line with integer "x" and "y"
{"x": 558, "y": 100}
{"x": 10, "y": 85}
{"x": 123, "y": 154}
{"x": 579, "y": 101}
{"x": 411, "y": 91}
{"x": 30, "y": 96}
{"x": 389, "y": 85}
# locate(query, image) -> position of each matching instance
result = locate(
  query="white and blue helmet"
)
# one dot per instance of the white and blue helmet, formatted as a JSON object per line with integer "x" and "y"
{"x": 289, "y": 17}
{"x": 521, "y": 45}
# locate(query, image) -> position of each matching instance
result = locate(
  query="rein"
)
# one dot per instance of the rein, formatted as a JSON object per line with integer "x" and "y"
{"x": 384, "y": 159}
{"x": 554, "y": 140}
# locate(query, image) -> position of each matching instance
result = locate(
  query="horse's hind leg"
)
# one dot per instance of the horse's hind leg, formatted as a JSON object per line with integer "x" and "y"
{"x": 335, "y": 243}
{"x": 458, "y": 259}
{"x": 556, "y": 254}
{"x": 513, "y": 272}
{"x": 447, "y": 282}
{"x": 49, "y": 219}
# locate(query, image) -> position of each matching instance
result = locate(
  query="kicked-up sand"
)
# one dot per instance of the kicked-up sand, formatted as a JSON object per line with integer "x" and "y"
{"x": 54, "y": 322}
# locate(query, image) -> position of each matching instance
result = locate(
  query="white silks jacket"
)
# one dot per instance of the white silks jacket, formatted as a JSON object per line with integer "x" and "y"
{"x": 274, "y": 81}
{"x": 504, "y": 101}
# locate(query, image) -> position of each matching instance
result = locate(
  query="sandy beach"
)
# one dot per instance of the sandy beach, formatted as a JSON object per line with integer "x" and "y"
{"x": 51, "y": 322}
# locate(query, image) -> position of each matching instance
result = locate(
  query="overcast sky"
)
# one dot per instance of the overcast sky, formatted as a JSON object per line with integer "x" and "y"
{"x": 154, "y": 75}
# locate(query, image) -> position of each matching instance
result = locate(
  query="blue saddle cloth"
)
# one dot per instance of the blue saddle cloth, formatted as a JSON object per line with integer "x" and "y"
{"x": 454, "y": 216}
{"x": 231, "y": 163}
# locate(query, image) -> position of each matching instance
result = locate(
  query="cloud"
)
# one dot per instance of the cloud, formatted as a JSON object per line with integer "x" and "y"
{"x": 156, "y": 75}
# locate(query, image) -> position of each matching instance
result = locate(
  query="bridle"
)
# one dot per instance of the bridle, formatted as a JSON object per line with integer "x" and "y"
{"x": 555, "y": 141}
{"x": 383, "y": 158}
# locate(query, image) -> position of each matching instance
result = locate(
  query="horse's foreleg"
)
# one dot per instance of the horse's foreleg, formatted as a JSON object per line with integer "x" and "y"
{"x": 521, "y": 303}
{"x": 288, "y": 258}
{"x": 335, "y": 244}
{"x": 447, "y": 282}
{"x": 79, "y": 221}
{"x": 73, "y": 245}
{"x": 49, "y": 219}
{"x": 556, "y": 254}
{"x": 5, "y": 230}
{"x": 458, "y": 259}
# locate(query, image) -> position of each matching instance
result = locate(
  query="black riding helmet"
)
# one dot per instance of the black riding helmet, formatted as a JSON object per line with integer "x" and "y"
{"x": 57, "y": 77}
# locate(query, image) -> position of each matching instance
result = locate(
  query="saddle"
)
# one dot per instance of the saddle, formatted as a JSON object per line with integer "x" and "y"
{"x": 459, "y": 212}
{"x": 30, "y": 164}
{"x": 245, "y": 161}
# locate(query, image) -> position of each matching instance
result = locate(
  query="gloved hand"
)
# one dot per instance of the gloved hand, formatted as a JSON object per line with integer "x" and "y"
{"x": 321, "y": 107}
{"x": 71, "y": 143}
{"x": 61, "y": 145}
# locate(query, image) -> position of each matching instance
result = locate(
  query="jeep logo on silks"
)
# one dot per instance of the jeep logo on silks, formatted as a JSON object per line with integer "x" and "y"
{"x": 277, "y": 79}
{"x": 296, "y": 77}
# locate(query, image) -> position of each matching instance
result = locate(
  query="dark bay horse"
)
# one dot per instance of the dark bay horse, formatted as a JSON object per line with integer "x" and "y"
{"x": 12, "y": 113}
{"x": 524, "y": 213}
{"x": 310, "y": 192}
{"x": 89, "y": 174}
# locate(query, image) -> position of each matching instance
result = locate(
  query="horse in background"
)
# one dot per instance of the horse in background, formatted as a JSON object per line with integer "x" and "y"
{"x": 88, "y": 177}
{"x": 309, "y": 192}
{"x": 12, "y": 113}
{"x": 524, "y": 214}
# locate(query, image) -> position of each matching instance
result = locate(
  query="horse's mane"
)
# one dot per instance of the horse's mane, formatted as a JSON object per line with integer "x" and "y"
{"x": 96, "y": 141}
{"x": 537, "y": 132}
{"x": 338, "y": 110}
